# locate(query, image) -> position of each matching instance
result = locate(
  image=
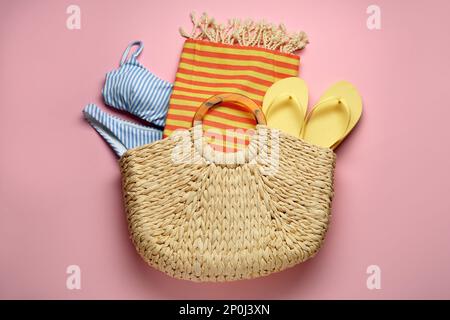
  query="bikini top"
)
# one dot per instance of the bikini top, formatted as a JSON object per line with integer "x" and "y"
{"x": 134, "y": 89}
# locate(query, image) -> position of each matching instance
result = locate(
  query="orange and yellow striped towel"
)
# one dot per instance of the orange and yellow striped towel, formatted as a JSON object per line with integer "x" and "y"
{"x": 209, "y": 68}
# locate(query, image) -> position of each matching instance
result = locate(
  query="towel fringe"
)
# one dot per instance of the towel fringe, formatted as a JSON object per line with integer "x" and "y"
{"x": 246, "y": 33}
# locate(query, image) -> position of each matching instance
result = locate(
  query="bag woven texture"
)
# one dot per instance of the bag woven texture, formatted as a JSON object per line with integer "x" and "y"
{"x": 206, "y": 221}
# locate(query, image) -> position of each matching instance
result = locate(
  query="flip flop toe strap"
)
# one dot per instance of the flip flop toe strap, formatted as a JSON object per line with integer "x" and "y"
{"x": 338, "y": 101}
{"x": 284, "y": 98}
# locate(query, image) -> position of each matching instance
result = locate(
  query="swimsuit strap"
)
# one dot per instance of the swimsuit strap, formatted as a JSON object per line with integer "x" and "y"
{"x": 135, "y": 54}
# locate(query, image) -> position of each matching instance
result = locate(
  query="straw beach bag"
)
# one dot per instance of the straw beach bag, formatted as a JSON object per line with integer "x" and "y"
{"x": 199, "y": 214}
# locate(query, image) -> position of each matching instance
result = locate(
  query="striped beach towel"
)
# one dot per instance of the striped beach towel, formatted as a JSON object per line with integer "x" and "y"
{"x": 208, "y": 67}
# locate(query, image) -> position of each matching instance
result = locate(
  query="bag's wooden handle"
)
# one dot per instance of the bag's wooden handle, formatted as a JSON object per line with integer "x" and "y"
{"x": 229, "y": 97}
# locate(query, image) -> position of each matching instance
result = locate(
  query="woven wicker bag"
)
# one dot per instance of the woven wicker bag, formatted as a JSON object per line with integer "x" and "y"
{"x": 204, "y": 215}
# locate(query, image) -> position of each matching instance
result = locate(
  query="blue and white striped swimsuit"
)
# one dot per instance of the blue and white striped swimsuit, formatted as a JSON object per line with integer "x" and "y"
{"x": 134, "y": 89}
{"x": 120, "y": 134}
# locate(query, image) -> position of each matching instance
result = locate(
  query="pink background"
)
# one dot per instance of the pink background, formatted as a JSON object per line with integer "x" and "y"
{"x": 60, "y": 198}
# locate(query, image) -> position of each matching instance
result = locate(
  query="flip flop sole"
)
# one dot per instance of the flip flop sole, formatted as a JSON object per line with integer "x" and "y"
{"x": 286, "y": 116}
{"x": 330, "y": 124}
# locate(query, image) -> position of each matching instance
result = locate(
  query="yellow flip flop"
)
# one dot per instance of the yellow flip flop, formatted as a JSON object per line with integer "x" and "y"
{"x": 285, "y": 104}
{"x": 334, "y": 116}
